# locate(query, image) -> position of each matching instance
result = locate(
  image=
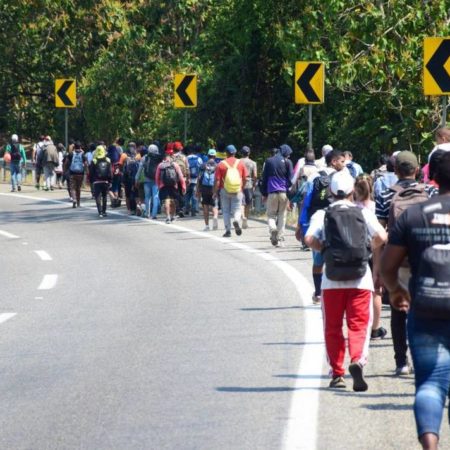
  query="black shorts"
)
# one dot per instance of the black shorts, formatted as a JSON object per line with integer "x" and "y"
{"x": 207, "y": 197}
{"x": 168, "y": 193}
{"x": 248, "y": 196}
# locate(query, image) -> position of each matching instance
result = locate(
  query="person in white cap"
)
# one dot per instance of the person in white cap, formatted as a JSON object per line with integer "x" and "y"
{"x": 341, "y": 233}
{"x": 17, "y": 158}
{"x": 321, "y": 163}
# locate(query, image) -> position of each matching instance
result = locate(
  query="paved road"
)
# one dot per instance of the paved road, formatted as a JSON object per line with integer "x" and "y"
{"x": 148, "y": 336}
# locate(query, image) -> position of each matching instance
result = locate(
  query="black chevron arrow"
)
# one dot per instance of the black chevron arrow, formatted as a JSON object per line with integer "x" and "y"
{"x": 181, "y": 90}
{"x": 436, "y": 66}
{"x": 304, "y": 80}
{"x": 62, "y": 93}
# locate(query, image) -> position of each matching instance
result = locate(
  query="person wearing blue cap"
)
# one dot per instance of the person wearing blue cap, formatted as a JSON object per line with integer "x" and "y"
{"x": 229, "y": 183}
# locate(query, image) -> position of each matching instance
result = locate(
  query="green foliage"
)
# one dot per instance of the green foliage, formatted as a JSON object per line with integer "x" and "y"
{"x": 124, "y": 55}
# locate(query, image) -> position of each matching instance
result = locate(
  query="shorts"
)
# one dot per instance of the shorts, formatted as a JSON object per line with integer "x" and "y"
{"x": 208, "y": 199}
{"x": 168, "y": 193}
{"x": 248, "y": 196}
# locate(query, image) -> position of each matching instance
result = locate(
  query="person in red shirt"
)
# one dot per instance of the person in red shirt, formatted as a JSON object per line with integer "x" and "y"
{"x": 229, "y": 184}
{"x": 171, "y": 182}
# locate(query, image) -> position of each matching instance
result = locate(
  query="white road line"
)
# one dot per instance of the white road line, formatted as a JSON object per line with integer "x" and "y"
{"x": 9, "y": 235}
{"x": 301, "y": 429}
{"x": 39, "y": 298}
{"x": 43, "y": 255}
{"x": 48, "y": 282}
{"x": 6, "y": 316}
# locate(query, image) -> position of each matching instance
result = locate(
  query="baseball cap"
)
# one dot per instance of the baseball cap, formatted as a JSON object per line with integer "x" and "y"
{"x": 169, "y": 151}
{"x": 406, "y": 158}
{"x": 231, "y": 149}
{"x": 327, "y": 148}
{"x": 212, "y": 152}
{"x": 245, "y": 150}
{"x": 15, "y": 138}
{"x": 177, "y": 145}
{"x": 342, "y": 184}
{"x": 153, "y": 149}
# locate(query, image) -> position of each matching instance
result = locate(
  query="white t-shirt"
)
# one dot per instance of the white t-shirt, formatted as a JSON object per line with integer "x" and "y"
{"x": 316, "y": 229}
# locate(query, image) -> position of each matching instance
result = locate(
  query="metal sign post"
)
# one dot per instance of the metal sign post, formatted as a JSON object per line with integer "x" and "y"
{"x": 310, "y": 127}
{"x": 444, "y": 111}
{"x": 66, "y": 127}
{"x": 185, "y": 126}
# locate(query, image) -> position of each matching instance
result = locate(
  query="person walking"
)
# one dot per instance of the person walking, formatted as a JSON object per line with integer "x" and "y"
{"x": 100, "y": 174}
{"x": 36, "y": 158}
{"x": 179, "y": 157}
{"x": 341, "y": 233}
{"x": 194, "y": 162}
{"x": 76, "y": 164}
{"x": 171, "y": 183}
{"x": 276, "y": 181}
{"x": 388, "y": 206}
{"x": 50, "y": 161}
{"x": 147, "y": 169}
{"x": 422, "y": 234}
{"x": 17, "y": 160}
{"x": 229, "y": 184}
{"x": 205, "y": 190}
{"x": 250, "y": 183}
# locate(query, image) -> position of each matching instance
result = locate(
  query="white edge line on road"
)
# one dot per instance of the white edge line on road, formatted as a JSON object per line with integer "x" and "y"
{"x": 9, "y": 235}
{"x": 43, "y": 255}
{"x": 6, "y": 316}
{"x": 48, "y": 282}
{"x": 301, "y": 428}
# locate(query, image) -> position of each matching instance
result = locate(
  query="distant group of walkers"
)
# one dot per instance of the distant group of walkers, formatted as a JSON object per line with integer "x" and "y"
{"x": 378, "y": 237}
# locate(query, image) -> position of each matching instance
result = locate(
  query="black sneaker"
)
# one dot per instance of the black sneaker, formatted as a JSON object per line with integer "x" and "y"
{"x": 181, "y": 214}
{"x": 274, "y": 237}
{"x": 379, "y": 333}
{"x": 237, "y": 228}
{"x": 359, "y": 383}
{"x": 168, "y": 220}
{"x": 338, "y": 382}
{"x": 19, "y": 188}
{"x": 227, "y": 234}
{"x": 74, "y": 204}
{"x": 104, "y": 214}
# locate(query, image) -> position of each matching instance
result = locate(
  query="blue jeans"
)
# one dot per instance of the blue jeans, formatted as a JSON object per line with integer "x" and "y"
{"x": 429, "y": 342}
{"x": 191, "y": 202}
{"x": 151, "y": 192}
{"x": 16, "y": 176}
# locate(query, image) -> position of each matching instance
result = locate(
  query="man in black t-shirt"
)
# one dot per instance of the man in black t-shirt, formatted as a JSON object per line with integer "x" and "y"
{"x": 421, "y": 228}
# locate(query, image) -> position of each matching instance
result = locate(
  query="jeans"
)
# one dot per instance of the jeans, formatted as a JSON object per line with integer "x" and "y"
{"x": 429, "y": 341}
{"x": 277, "y": 203}
{"x": 49, "y": 172}
{"x": 100, "y": 194}
{"x": 16, "y": 176}
{"x": 231, "y": 206}
{"x": 76, "y": 181}
{"x": 191, "y": 202}
{"x": 151, "y": 196}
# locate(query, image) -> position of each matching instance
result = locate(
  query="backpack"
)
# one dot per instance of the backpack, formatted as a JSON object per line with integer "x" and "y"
{"x": 181, "y": 161}
{"x": 346, "y": 247}
{"x": 77, "y": 166}
{"x": 194, "y": 166}
{"x": 150, "y": 166}
{"x": 208, "y": 176}
{"x": 320, "y": 194}
{"x": 169, "y": 174}
{"x": 130, "y": 170}
{"x": 432, "y": 285}
{"x": 352, "y": 169}
{"x": 103, "y": 169}
{"x": 402, "y": 199}
{"x": 15, "y": 152}
{"x": 233, "y": 180}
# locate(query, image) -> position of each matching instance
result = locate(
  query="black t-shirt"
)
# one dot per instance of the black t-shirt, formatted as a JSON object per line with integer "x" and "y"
{"x": 411, "y": 231}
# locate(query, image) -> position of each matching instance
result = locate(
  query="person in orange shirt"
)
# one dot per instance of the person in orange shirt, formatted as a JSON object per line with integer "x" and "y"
{"x": 229, "y": 184}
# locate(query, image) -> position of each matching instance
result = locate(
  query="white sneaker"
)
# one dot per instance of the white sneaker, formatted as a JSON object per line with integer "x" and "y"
{"x": 215, "y": 224}
{"x": 244, "y": 224}
{"x": 206, "y": 228}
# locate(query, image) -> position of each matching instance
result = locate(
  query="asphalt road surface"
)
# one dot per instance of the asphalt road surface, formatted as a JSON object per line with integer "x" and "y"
{"x": 123, "y": 333}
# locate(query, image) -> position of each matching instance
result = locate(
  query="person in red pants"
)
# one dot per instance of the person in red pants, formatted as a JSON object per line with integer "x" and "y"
{"x": 342, "y": 233}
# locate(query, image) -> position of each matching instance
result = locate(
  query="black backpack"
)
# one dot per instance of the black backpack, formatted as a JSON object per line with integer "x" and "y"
{"x": 15, "y": 152}
{"x": 431, "y": 295}
{"x": 320, "y": 193}
{"x": 346, "y": 248}
{"x": 169, "y": 174}
{"x": 150, "y": 166}
{"x": 130, "y": 170}
{"x": 103, "y": 169}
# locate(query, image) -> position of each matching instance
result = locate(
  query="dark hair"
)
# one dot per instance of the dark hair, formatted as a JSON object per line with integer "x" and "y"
{"x": 120, "y": 141}
{"x": 383, "y": 159}
{"x": 405, "y": 169}
{"x": 77, "y": 145}
{"x": 334, "y": 154}
{"x": 390, "y": 164}
{"x": 435, "y": 161}
{"x": 442, "y": 174}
